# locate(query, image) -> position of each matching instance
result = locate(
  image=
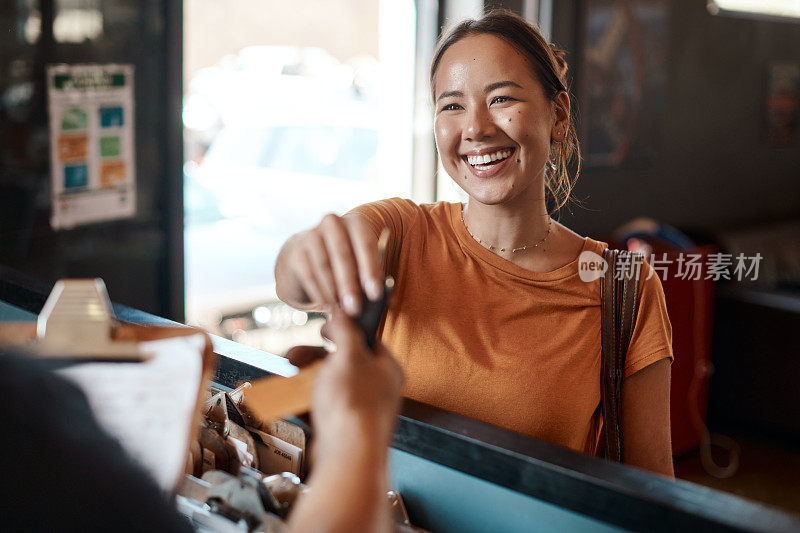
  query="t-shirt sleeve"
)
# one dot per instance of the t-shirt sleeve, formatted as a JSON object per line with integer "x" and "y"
{"x": 396, "y": 214}
{"x": 652, "y": 336}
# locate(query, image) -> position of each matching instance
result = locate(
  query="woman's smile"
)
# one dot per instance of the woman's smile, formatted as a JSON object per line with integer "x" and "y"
{"x": 488, "y": 163}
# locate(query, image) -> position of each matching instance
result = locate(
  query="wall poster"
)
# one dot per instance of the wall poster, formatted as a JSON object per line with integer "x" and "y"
{"x": 91, "y": 143}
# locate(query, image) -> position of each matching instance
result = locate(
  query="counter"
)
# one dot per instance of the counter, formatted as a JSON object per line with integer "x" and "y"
{"x": 458, "y": 474}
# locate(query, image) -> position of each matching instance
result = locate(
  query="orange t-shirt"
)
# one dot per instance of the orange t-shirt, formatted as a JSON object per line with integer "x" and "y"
{"x": 483, "y": 337}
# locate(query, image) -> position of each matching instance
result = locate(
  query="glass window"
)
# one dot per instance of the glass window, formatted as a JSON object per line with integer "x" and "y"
{"x": 286, "y": 118}
{"x": 335, "y": 151}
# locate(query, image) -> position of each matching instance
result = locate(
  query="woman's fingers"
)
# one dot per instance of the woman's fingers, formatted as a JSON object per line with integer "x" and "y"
{"x": 321, "y": 267}
{"x": 365, "y": 248}
{"x": 337, "y": 262}
{"x": 304, "y": 269}
{"x": 343, "y": 263}
{"x": 313, "y": 269}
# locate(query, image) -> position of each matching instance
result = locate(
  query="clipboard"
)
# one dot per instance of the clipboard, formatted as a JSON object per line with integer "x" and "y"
{"x": 77, "y": 330}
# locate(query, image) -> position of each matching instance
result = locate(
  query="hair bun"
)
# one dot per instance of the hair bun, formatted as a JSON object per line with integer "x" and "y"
{"x": 561, "y": 61}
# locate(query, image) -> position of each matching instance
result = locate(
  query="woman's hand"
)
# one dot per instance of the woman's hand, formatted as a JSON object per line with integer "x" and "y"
{"x": 330, "y": 265}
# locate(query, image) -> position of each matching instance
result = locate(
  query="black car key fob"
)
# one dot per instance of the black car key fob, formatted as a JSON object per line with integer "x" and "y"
{"x": 370, "y": 319}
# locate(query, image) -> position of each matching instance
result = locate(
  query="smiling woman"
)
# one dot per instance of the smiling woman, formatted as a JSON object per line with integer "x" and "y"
{"x": 490, "y": 317}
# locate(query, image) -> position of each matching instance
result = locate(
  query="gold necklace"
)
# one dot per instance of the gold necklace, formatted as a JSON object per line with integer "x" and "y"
{"x": 513, "y": 250}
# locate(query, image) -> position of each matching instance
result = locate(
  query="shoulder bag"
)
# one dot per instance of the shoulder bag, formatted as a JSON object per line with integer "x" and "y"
{"x": 619, "y": 298}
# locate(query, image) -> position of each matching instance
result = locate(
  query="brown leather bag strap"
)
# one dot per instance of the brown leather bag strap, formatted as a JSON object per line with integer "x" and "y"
{"x": 619, "y": 297}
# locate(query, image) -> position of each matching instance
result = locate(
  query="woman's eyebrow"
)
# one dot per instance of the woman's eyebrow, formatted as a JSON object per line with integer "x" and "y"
{"x": 489, "y": 88}
{"x": 448, "y": 94}
{"x": 500, "y": 84}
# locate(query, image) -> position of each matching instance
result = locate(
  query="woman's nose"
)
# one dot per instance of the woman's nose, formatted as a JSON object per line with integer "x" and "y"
{"x": 479, "y": 125}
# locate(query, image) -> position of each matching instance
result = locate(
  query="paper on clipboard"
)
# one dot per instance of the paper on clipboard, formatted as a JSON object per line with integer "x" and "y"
{"x": 149, "y": 406}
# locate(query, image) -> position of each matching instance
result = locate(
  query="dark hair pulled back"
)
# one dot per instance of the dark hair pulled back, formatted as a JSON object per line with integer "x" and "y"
{"x": 550, "y": 67}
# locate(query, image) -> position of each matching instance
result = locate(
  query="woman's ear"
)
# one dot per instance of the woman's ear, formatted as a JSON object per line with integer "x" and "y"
{"x": 561, "y": 108}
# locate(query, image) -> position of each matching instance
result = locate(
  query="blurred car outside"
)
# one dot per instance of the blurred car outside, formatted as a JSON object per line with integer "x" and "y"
{"x": 268, "y": 77}
{"x": 304, "y": 148}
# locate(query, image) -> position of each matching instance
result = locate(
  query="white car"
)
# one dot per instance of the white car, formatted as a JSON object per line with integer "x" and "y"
{"x": 258, "y": 185}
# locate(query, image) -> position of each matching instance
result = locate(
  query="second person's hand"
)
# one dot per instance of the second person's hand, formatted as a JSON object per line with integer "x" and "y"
{"x": 357, "y": 391}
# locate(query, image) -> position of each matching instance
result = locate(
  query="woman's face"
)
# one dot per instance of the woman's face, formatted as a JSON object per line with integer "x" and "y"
{"x": 493, "y": 123}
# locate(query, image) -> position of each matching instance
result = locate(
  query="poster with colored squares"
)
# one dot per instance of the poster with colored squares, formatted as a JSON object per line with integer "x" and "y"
{"x": 91, "y": 143}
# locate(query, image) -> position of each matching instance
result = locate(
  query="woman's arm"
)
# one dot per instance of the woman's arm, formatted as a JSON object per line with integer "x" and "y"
{"x": 645, "y": 420}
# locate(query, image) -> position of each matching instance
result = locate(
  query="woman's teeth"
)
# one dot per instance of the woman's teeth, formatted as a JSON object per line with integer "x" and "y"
{"x": 485, "y": 162}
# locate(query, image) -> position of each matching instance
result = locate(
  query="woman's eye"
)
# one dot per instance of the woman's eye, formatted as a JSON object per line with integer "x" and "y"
{"x": 501, "y": 99}
{"x": 450, "y": 107}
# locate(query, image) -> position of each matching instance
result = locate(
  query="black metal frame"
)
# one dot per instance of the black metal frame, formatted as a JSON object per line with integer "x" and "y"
{"x": 173, "y": 279}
